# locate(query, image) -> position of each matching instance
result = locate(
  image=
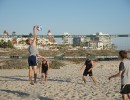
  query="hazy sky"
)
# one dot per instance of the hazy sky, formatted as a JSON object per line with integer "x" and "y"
{"x": 72, "y": 16}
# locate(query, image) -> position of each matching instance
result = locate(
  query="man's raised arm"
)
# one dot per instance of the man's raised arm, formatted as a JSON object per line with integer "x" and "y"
{"x": 34, "y": 35}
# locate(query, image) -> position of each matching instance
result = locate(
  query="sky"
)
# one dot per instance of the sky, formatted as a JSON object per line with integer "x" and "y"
{"x": 72, "y": 16}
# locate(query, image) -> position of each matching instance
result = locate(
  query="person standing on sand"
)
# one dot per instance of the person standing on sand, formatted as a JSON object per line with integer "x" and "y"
{"x": 33, "y": 53}
{"x": 124, "y": 72}
{"x": 88, "y": 66}
{"x": 44, "y": 67}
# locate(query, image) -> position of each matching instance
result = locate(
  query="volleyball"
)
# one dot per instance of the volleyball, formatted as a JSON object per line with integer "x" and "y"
{"x": 39, "y": 28}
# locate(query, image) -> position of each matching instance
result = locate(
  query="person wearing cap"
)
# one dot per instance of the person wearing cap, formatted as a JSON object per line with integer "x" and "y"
{"x": 124, "y": 73}
{"x": 88, "y": 66}
{"x": 44, "y": 67}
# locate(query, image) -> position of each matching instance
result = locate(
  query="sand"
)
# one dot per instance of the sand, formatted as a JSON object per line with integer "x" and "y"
{"x": 62, "y": 84}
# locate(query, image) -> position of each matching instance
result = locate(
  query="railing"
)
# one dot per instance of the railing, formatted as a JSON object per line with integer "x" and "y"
{"x": 61, "y": 57}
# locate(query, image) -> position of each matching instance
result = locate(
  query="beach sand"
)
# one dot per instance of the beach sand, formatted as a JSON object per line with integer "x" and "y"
{"x": 63, "y": 84}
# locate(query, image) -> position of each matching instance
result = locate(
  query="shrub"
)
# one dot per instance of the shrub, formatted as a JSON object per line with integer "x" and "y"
{"x": 56, "y": 64}
{"x": 13, "y": 64}
{"x": 8, "y": 44}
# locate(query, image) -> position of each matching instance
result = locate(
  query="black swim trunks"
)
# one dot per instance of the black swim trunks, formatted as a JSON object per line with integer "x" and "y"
{"x": 44, "y": 68}
{"x": 32, "y": 60}
{"x": 125, "y": 89}
{"x": 86, "y": 73}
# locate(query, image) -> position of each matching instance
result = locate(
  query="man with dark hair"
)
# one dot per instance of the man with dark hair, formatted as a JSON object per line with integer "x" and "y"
{"x": 123, "y": 54}
{"x": 124, "y": 72}
{"x": 88, "y": 66}
{"x": 33, "y": 53}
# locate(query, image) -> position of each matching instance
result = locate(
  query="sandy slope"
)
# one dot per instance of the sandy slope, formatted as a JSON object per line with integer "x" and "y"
{"x": 63, "y": 84}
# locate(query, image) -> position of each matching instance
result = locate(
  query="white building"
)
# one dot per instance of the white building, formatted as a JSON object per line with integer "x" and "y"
{"x": 106, "y": 39}
{"x": 20, "y": 46}
{"x": 6, "y": 39}
{"x": 98, "y": 41}
{"x": 20, "y": 42}
{"x": 49, "y": 32}
{"x": 67, "y": 39}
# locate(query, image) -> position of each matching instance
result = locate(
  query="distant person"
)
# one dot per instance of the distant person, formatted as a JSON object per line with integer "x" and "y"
{"x": 88, "y": 66}
{"x": 124, "y": 72}
{"x": 33, "y": 54}
{"x": 44, "y": 69}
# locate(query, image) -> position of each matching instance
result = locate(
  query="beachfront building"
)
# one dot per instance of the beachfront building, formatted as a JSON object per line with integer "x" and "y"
{"x": 51, "y": 40}
{"x": 76, "y": 41}
{"x": 20, "y": 41}
{"x": 93, "y": 44}
{"x": 67, "y": 39}
{"x": 20, "y": 46}
{"x": 106, "y": 39}
{"x": 49, "y": 32}
{"x": 6, "y": 39}
{"x": 98, "y": 41}
{"x": 5, "y": 33}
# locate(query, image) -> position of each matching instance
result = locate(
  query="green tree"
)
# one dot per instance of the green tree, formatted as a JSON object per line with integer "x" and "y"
{"x": 30, "y": 35}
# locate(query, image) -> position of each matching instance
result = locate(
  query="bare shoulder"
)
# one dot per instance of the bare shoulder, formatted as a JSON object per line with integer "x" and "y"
{"x": 92, "y": 61}
{"x": 48, "y": 63}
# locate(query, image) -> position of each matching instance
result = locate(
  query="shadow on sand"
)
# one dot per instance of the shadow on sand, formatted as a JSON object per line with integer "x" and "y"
{"x": 67, "y": 80}
{"x": 59, "y": 80}
{"x": 44, "y": 98}
{"x": 15, "y": 78}
{"x": 24, "y": 95}
{"x": 21, "y": 94}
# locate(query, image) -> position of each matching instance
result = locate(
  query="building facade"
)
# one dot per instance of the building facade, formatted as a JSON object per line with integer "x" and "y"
{"x": 20, "y": 41}
{"x": 67, "y": 39}
{"x": 98, "y": 41}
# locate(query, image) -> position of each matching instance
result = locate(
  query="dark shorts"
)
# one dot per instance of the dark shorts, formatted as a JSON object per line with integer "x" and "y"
{"x": 45, "y": 70}
{"x": 86, "y": 73}
{"x": 125, "y": 89}
{"x": 32, "y": 61}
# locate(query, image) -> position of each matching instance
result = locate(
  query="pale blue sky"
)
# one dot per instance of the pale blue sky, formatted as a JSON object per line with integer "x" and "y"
{"x": 72, "y": 16}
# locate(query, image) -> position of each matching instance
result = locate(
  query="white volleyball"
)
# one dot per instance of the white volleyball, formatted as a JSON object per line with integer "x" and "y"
{"x": 39, "y": 28}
